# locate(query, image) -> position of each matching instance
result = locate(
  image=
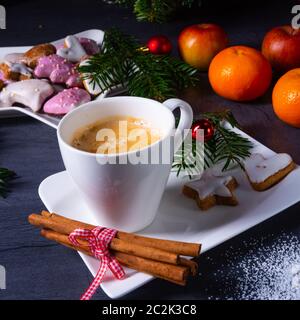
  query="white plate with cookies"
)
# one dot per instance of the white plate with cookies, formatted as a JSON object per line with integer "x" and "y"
{"x": 9, "y": 110}
{"x": 180, "y": 217}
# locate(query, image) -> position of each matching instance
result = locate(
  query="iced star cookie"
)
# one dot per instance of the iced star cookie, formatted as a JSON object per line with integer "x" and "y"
{"x": 66, "y": 101}
{"x": 58, "y": 70}
{"x": 31, "y": 93}
{"x": 211, "y": 190}
{"x": 264, "y": 173}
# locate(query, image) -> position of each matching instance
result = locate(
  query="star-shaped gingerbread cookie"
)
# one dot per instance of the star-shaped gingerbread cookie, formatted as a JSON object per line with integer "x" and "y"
{"x": 211, "y": 190}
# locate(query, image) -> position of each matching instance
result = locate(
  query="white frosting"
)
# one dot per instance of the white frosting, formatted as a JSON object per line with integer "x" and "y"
{"x": 260, "y": 169}
{"x": 14, "y": 57}
{"x": 209, "y": 185}
{"x": 19, "y": 68}
{"x": 74, "y": 51}
{"x": 92, "y": 88}
{"x": 31, "y": 93}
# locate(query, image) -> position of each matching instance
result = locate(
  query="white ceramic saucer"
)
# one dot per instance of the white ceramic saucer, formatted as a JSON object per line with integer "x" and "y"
{"x": 179, "y": 218}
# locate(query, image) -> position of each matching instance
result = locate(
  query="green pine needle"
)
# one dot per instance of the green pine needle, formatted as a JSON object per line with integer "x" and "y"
{"x": 143, "y": 74}
{"x": 5, "y": 176}
{"x": 226, "y": 147}
{"x": 156, "y": 10}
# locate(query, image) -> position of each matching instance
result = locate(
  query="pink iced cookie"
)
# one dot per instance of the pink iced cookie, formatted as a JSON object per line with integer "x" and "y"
{"x": 90, "y": 46}
{"x": 58, "y": 70}
{"x": 66, "y": 101}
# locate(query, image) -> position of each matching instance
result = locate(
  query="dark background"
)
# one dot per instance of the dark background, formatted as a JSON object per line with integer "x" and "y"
{"x": 38, "y": 269}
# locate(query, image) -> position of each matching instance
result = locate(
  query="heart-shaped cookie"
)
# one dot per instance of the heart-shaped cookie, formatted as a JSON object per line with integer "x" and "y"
{"x": 73, "y": 50}
{"x": 263, "y": 173}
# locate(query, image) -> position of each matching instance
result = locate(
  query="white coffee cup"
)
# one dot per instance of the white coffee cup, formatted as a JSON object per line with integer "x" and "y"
{"x": 122, "y": 196}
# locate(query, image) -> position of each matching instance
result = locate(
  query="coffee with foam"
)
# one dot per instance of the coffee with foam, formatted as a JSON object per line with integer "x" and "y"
{"x": 116, "y": 134}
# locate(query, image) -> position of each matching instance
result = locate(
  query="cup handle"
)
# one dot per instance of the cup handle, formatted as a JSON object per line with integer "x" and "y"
{"x": 185, "y": 122}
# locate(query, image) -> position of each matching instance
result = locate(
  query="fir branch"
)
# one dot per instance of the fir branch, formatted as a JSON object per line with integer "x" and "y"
{"x": 5, "y": 176}
{"x": 226, "y": 147}
{"x": 142, "y": 73}
{"x": 156, "y": 10}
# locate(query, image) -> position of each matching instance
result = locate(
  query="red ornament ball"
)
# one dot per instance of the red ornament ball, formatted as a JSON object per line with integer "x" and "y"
{"x": 159, "y": 45}
{"x": 206, "y": 126}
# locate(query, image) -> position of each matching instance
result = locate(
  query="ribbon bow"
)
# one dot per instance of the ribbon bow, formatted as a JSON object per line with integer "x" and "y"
{"x": 99, "y": 239}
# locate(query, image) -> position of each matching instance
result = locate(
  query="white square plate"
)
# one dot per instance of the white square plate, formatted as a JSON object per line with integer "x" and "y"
{"x": 178, "y": 217}
{"x": 94, "y": 34}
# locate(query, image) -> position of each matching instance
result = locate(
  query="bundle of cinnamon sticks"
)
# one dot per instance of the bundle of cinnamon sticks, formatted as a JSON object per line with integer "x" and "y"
{"x": 158, "y": 257}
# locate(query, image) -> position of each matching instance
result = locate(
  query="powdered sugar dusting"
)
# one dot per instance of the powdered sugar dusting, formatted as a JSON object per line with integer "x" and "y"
{"x": 260, "y": 270}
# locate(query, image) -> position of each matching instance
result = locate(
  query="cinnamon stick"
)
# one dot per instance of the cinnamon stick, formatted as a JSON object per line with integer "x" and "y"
{"x": 116, "y": 244}
{"x": 192, "y": 265}
{"x": 83, "y": 247}
{"x": 173, "y": 273}
{"x": 180, "y": 248}
{"x": 64, "y": 240}
{"x": 176, "y": 274}
{"x": 66, "y": 226}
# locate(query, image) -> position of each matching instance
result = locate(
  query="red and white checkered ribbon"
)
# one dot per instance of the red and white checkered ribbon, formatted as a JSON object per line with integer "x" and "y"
{"x": 99, "y": 239}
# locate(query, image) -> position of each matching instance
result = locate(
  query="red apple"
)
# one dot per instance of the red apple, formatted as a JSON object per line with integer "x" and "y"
{"x": 199, "y": 43}
{"x": 281, "y": 46}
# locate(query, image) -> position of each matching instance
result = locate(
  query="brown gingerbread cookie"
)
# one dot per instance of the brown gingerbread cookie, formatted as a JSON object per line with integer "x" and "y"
{"x": 211, "y": 190}
{"x": 32, "y": 55}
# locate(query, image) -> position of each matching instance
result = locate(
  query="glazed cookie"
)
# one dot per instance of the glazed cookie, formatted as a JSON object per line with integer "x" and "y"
{"x": 15, "y": 71}
{"x": 211, "y": 190}
{"x": 31, "y": 93}
{"x": 58, "y": 70}
{"x": 14, "y": 58}
{"x": 264, "y": 173}
{"x": 90, "y": 46}
{"x": 66, "y": 101}
{"x": 31, "y": 56}
{"x": 91, "y": 87}
{"x": 73, "y": 51}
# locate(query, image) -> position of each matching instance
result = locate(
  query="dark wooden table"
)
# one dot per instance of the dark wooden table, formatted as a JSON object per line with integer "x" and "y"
{"x": 38, "y": 269}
